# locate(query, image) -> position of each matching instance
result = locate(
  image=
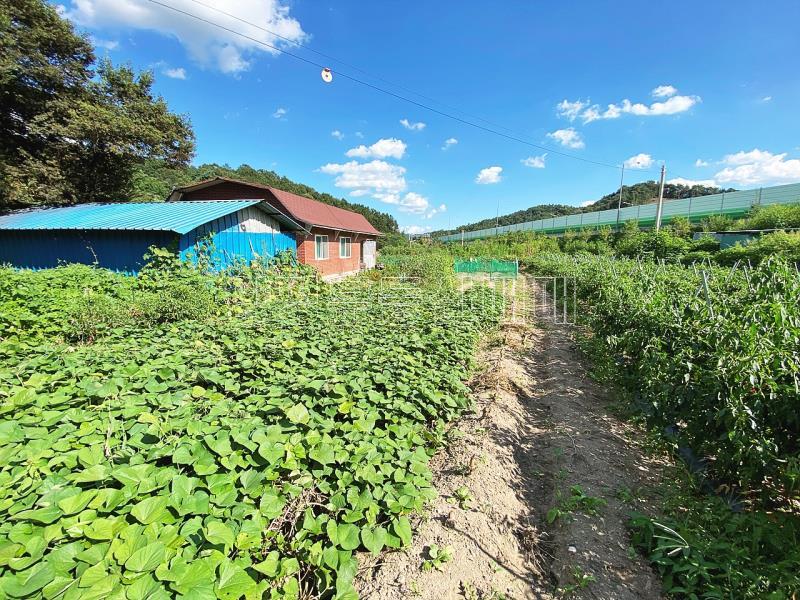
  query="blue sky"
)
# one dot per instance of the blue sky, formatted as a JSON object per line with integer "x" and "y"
{"x": 710, "y": 88}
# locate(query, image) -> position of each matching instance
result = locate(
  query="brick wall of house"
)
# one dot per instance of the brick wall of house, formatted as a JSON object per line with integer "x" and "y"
{"x": 333, "y": 265}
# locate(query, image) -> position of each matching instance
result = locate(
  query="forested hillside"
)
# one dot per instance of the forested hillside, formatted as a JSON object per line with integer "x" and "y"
{"x": 153, "y": 180}
{"x": 632, "y": 195}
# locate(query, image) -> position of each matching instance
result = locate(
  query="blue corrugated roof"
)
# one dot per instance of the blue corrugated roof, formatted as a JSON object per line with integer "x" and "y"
{"x": 180, "y": 217}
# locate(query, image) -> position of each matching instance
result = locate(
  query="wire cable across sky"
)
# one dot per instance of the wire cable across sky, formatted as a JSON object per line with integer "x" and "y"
{"x": 492, "y": 130}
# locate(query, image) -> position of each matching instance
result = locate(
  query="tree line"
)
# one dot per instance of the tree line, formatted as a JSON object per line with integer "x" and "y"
{"x": 632, "y": 195}
{"x": 75, "y": 129}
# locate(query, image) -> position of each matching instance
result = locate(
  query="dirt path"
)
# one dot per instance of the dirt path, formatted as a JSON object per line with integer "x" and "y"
{"x": 539, "y": 429}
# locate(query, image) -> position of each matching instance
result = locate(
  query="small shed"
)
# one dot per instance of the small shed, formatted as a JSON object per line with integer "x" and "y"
{"x": 117, "y": 235}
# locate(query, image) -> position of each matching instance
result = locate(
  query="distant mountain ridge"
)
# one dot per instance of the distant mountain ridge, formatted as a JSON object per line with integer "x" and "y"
{"x": 632, "y": 195}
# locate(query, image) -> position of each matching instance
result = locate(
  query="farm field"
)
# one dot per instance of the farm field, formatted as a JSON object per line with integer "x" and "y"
{"x": 263, "y": 434}
{"x": 182, "y": 435}
{"x": 703, "y": 360}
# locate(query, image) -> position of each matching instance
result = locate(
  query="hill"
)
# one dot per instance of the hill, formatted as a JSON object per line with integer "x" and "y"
{"x": 154, "y": 180}
{"x": 632, "y": 195}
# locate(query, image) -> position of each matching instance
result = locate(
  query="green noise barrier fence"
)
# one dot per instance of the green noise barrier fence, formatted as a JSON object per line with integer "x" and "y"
{"x": 732, "y": 204}
{"x": 487, "y": 265}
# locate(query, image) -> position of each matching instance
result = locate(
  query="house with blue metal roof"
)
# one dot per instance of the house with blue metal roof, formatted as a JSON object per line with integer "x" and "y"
{"x": 117, "y": 235}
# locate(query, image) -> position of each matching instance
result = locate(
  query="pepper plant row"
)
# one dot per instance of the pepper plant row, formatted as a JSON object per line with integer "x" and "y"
{"x": 712, "y": 355}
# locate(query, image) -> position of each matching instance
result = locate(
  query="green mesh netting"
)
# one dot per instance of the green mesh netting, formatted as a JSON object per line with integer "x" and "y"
{"x": 487, "y": 265}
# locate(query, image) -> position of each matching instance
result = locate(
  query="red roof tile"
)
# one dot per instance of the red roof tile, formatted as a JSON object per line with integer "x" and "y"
{"x": 298, "y": 207}
{"x": 323, "y": 215}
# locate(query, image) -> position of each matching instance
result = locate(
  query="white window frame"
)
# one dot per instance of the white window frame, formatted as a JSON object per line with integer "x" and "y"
{"x": 323, "y": 240}
{"x": 348, "y": 242}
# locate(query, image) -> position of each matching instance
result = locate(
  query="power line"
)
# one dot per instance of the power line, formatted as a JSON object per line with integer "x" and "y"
{"x": 351, "y": 66}
{"x": 383, "y": 90}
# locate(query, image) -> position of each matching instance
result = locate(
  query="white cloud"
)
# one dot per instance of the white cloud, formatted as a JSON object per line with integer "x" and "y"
{"x": 758, "y": 167}
{"x": 412, "y": 126}
{"x": 359, "y": 135}
{"x": 568, "y": 138}
{"x": 691, "y": 182}
{"x": 383, "y": 148}
{"x": 700, "y": 163}
{"x": 766, "y": 99}
{"x": 535, "y": 162}
{"x": 411, "y": 202}
{"x": 664, "y": 91}
{"x": 416, "y": 229}
{"x": 587, "y": 112}
{"x": 587, "y": 203}
{"x": 671, "y": 106}
{"x": 280, "y": 113}
{"x": 449, "y": 142}
{"x": 337, "y": 134}
{"x": 571, "y": 110}
{"x": 375, "y": 177}
{"x": 175, "y": 73}
{"x": 639, "y": 161}
{"x": 435, "y": 211}
{"x": 489, "y": 175}
{"x": 107, "y": 44}
{"x": 205, "y": 44}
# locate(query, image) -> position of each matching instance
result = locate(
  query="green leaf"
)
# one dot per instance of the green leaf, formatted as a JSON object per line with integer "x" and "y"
{"x": 219, "y": 533}
{"x": 92, "y": 474}
{"x": 233, "y": 582}
{"x": 146, "y": 559}
{"x": 93, "y": 575}
{"x": 343, "y": 535}
{"x": 271, "y": 504}
{"x": 150, "y": 510}
{"x": 348, "y": 536}
{"x": 269, "y": 566}
{"x": 75, "y": 504}
{"x": 323, "y": 454}
{"x": 100, "y": 529}
{"x": 196, "y": 581}
{"x": 145, "y": 587}
{"x": 27, "y": 583}
{"x": 402, "y": 528}
{"x": 298, "y": 414}
{"x": 373, "y": 539}
{"x": 45, "y": 516}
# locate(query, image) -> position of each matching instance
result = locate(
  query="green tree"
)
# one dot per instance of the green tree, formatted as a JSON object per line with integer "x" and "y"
{"x": 72, "y": 130}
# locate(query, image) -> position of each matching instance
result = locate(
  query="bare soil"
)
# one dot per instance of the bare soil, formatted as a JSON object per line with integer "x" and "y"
{"x": 540, "y": 426}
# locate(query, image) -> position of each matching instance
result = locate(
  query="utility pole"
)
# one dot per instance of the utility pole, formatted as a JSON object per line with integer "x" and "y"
{"x": 660, "y": 208}
{"x": 462, "y": 238}
{"x": 619, "y": 202}
{"x": 497, "y": 219}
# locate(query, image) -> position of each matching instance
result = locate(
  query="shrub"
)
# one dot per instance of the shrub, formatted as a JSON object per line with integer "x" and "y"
{"x": 680, "y": 226}
{"x": 717, "y": 223}
{"x": 662, "y": 244}
{"x": 704, "y": 548}
{"x": 786, "y": 245}
{"x": 775, "y": 216}
{"x": 707, "y": 243}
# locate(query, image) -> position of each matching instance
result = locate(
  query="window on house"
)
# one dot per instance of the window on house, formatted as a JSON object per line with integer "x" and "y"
{"x": 321, "y": 247}
{"x": 345, "y": 247}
